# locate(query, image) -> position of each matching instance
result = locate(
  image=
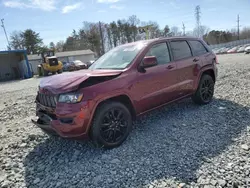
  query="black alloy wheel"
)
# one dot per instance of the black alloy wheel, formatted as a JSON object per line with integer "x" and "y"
{"x": 205, "y": 91}
{"x": 114, "y": 125}
{"x": 111, "y": 125}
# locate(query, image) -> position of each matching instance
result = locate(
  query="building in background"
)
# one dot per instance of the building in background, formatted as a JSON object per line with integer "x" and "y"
{"x": 69, "y": 56}
{"x": 14, "y": 65}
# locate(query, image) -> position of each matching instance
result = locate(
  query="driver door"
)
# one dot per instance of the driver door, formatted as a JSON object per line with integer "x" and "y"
{"x": 157, "y": 84}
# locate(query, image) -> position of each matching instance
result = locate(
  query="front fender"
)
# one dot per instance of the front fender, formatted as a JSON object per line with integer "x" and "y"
{"x": 93, "y": 104}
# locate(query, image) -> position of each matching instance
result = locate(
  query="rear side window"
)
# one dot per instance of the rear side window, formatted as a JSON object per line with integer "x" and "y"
{"x": 197, "y": 47}
{"x": 160, "y": 51}
{"x": 180, "y": 49}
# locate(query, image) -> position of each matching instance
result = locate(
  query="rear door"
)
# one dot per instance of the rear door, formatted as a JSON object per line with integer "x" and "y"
{"x": 201, "y": 52}
{"x": 157, "y": 85}
{"x": 186, "y": 66}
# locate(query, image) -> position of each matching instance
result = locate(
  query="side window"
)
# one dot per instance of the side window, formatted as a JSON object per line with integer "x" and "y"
{"x": 180, "y": 49}
{"x": 160, "y": 51}
{"x": 197, "y": 47}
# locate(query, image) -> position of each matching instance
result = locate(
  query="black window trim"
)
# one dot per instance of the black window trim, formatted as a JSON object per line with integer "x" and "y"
{"x": 199, "y": 42}
{"x": 176, "y": 40}
{"x": 153, "y": 44}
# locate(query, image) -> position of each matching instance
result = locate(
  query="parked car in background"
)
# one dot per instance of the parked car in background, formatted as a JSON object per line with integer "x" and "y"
{"x": 80, "y": 65}
{"x": 233, "y": 50}
{"x": 219, "y": 51}
{"x": 71, "y": 66}
{"x": 89, "y": 63}
{"x": 215, "y": 50}
{"x": 101, "y": 102}
{"x": 241, "y": 49}
{"x": 65, "y": 66}
{"x": 247, "y": 50}
{"x": 224, "y": 50}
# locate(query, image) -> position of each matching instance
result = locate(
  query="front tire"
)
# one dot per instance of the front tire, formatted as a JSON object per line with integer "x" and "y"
{"x": 204, "y": 93}
{"x": 111, "y": 125}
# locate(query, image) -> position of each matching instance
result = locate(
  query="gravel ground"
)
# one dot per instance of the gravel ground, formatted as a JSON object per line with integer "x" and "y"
{"x": 179, "y": 145}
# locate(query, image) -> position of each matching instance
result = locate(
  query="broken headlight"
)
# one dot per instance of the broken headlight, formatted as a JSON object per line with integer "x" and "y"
{"x": 70, "y": 98}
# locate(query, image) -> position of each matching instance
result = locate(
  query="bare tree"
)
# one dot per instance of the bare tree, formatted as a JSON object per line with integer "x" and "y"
{"x": 166, "y": 31}
{"x": 199, "y": 32}
{"x": 59, "y": 46}
{"x": 16, "y": 40}
{"x": 245, "y": 33}
{"x": 174, "y": 30}
{"x": 134, "y": 22}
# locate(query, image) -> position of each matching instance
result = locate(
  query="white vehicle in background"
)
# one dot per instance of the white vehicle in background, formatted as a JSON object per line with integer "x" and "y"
{"x": 241, "y": 49}
{"x": 247, "y": 50}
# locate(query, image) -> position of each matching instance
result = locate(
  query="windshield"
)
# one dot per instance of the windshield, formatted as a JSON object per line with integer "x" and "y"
{"x": 118, "y": 58}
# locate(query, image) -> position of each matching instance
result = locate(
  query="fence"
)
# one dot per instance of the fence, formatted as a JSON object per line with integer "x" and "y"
{"x": 231, "y": 44}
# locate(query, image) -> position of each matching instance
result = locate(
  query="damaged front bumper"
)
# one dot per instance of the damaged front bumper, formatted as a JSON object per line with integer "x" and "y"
{"x": 67, "y": 120}
{"x": 43, "y": 121}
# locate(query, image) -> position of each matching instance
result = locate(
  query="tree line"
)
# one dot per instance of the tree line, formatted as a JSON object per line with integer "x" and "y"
{"x": 101, "y": 37}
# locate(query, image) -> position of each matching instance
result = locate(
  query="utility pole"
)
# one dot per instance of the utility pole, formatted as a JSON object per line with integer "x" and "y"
{"x": 100, "y": 27}
{"x": 198, "y": 17}
{"x": 183, "y": 28}
{"x": 5, "y": 33}
{"x": 238, "y": 26}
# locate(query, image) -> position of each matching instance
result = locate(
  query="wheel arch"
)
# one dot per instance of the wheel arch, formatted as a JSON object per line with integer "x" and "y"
{"x": 122, "y": 98}
{"x": 208, "y": 71}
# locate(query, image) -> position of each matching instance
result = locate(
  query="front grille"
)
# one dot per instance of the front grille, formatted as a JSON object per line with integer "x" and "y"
{"x": 47, "y": 100}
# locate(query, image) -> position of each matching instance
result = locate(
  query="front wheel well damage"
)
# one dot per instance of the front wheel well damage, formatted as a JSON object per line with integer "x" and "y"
{"x": 124, "y": 99}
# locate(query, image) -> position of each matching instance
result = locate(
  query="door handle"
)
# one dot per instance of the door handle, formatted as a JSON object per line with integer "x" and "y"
{"x": 196, "y": 59}
{"x": 170, "y": 67}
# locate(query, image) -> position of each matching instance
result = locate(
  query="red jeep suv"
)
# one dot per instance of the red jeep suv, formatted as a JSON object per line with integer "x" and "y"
{"x": 101, "y": 102}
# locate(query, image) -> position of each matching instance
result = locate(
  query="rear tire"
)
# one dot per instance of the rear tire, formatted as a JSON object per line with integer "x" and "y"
{"x": 45, "y": 73}
{"x": 204, "y": 93}
{"x": 111, "y": 125}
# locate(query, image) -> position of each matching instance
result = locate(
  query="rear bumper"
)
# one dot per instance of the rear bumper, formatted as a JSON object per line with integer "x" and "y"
{"x": 67, "y": 120}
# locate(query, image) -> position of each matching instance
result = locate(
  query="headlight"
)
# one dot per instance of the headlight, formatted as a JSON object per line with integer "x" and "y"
{"x": 70, "y": 98}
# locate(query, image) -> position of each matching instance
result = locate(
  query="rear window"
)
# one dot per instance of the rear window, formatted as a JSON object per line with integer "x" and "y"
{"x": 180, "y": 50}
{"x": 197, "y": 47}
{"x": 53, "y": 61}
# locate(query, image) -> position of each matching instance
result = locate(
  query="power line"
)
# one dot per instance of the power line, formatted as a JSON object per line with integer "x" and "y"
{"x": 198, "y": 17}
{"x": 5, "y": 33}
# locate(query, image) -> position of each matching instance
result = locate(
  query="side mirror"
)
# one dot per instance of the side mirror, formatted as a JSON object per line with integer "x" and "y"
{"x": 149, "y": 61}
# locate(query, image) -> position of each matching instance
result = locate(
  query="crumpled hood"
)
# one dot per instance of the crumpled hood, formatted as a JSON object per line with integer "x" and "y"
{"x": 68, "y": 81}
